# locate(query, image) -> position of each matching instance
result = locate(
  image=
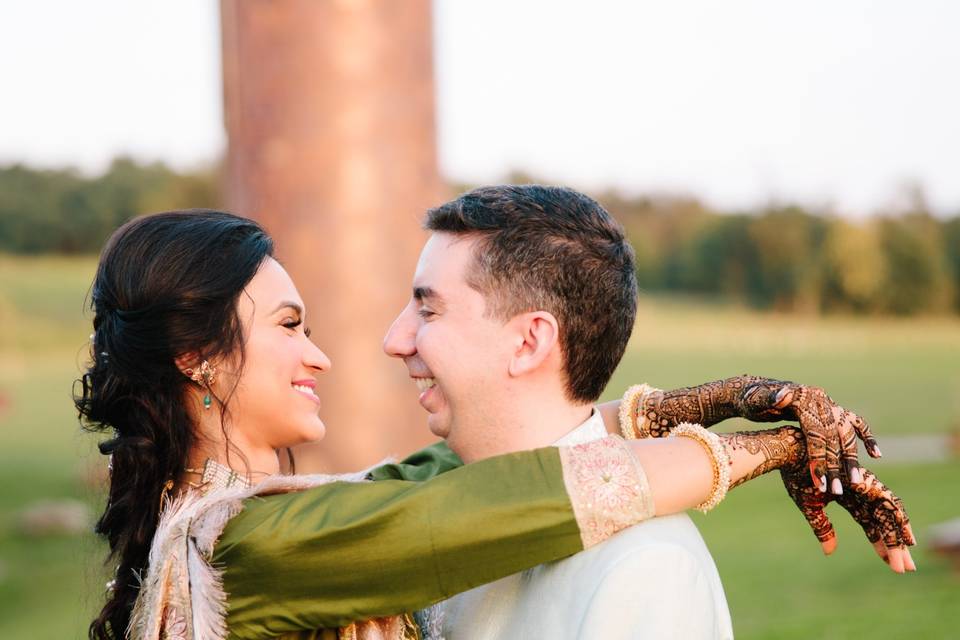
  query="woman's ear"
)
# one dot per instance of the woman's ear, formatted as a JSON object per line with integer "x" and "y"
{"x": 188, "y": 364}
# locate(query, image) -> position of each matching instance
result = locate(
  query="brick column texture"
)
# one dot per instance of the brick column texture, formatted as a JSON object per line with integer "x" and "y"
{"x": 329, "y": 109}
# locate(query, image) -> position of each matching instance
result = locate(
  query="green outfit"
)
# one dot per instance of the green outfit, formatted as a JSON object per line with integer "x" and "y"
{"x": 303, "y": 562}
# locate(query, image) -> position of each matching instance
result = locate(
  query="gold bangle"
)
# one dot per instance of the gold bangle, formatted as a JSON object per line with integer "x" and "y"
{"x": 630, "y": 406}
{"x": 718, "y": 457}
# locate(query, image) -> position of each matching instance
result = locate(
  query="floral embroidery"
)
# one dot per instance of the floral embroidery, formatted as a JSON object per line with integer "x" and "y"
{"x": 607, "y": 486}
{"x": 174, "y": 625}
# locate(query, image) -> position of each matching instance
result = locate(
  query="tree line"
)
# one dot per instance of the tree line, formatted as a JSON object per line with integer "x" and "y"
{"x": 783, "y": 257}
{"x": 790, "y": 258}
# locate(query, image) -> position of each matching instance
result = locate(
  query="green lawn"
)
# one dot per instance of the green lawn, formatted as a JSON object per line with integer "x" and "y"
{"x": 900, "y": 374}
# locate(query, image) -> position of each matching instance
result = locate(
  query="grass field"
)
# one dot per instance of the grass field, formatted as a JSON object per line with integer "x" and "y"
{"x": 903, "y": 375}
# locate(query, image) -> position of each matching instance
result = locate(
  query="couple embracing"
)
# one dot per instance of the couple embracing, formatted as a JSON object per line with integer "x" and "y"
{"x": 541, "y": 514}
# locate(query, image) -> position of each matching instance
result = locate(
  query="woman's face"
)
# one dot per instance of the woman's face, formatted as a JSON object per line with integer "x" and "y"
{"x": 274, "y": 403}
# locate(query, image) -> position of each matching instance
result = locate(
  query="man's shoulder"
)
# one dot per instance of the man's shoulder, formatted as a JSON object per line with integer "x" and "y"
{"x": 675, "y": 532}
{"x": 626, "y": 581}
{"x": 620, "y": 584}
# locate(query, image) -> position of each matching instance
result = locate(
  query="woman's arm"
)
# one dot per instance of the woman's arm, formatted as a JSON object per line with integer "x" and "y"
{"x": 344, "y": 552}
{"x": 681, "y": 474}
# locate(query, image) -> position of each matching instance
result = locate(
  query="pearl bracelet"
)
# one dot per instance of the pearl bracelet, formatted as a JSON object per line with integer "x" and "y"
{"x": 718, "y": 457}
{"x": 630, "y": 412}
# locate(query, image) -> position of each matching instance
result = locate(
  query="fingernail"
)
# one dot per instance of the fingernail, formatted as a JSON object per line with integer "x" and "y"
{"x": 836, "y": 486}
{"x": 855, "y": 476}
{"x": 823, "y": 484}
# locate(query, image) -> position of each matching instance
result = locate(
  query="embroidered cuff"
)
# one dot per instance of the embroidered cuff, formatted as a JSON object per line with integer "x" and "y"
{"x": 607, "y": 487}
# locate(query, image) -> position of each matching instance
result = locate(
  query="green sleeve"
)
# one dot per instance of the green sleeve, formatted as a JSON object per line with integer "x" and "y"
{"x": 420, "y": 466}
{"x": 344, "y": 552}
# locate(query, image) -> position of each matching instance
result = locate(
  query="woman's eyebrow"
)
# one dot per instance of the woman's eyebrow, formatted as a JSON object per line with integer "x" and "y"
{"x": 288, "y": 304}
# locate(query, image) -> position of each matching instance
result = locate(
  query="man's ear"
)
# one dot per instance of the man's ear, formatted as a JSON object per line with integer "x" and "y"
{"x": 537, "y": 335}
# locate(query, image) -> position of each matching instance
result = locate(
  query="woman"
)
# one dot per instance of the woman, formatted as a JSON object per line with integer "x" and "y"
{"x": 203, "y": 369}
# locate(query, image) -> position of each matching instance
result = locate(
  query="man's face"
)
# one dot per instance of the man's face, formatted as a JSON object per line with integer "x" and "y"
{"x": 458, "y": 357}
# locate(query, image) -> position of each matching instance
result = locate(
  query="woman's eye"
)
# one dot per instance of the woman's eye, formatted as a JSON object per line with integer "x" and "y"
{"x": 425, "y": 313}
{"x": 292, "y": 324}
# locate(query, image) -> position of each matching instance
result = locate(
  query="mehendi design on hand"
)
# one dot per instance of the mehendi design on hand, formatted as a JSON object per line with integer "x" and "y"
{"x": 780, "y": 447}
{"x": 809, "y": 499}
{"x": 876, "y": 509}
{"x": 706, "y": 404}
{"x": 879, "y": 511}
{"x": 831, "y": 431}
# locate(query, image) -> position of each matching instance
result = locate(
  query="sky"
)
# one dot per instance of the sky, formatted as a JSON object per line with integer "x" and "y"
{"x": 836, "y": 104}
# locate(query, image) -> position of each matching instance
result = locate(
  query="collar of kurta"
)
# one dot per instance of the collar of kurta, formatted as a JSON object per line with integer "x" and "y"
{"x": 587, "y": 431}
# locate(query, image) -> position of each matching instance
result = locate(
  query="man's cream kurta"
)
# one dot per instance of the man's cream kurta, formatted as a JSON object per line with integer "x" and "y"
{"x": 653, "y": 580}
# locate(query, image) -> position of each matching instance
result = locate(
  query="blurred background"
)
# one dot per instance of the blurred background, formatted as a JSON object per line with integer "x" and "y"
{"x": 787, "y": 173}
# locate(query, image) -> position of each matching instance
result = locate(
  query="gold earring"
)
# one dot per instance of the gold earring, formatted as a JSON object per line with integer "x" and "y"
{"x": 205, "y": 375}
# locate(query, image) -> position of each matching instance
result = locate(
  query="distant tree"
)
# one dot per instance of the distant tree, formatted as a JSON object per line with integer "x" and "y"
{"x": 918, "y": 278}
{"x": 717, "y": 258}
{"x": 63, "y": 212}
{"x": 855, "y": 267}
{"x": 787, "y": 245}
{"x": 951, "y": 246}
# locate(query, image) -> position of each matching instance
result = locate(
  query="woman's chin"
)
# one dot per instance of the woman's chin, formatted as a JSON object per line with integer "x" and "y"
{"x": 306, "y": 432}
{"x": 314, "y": 432}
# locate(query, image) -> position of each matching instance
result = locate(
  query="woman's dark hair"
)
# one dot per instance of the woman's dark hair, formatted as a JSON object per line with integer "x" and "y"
{"x": 167, "y": 285}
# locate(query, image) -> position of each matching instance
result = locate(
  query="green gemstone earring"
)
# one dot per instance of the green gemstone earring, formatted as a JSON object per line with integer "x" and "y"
{"x": 205, "y": 377}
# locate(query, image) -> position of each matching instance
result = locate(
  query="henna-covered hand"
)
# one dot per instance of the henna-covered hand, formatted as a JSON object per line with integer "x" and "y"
{"x": 780, "y": 448}
{"x": 831, "y": 431}
{"x": 875, "y": 508}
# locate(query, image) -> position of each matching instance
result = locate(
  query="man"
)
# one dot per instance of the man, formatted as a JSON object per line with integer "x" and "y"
{"x": 523, "y": 295}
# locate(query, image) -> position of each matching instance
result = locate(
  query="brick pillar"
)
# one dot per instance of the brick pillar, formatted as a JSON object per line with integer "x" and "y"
{"x": 329, "y": 109}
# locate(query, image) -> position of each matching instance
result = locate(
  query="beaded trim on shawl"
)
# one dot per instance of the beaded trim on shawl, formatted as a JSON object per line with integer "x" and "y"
{"x": 607, "y": 486}
{"x": 182, "y": 597}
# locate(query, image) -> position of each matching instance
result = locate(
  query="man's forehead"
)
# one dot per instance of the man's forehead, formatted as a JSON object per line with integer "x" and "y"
{"x": 442, "y": 264}
{"x": 443, "y": 256}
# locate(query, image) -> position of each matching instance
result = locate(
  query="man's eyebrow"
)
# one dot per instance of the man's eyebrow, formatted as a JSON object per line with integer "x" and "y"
{"x": 426, "y": 293}
{"x": 288, "y": 304}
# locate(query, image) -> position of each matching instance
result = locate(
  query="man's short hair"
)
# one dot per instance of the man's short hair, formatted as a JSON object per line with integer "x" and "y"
{"x": 551, "y": 249}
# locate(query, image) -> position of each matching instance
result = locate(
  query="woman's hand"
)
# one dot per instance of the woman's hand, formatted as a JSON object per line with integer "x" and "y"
{"x": 831, "y": 431}
{"x": 877, "y": 509}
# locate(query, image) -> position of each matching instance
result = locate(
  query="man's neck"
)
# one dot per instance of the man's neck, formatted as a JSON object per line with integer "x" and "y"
{"x": 529, "y": 424}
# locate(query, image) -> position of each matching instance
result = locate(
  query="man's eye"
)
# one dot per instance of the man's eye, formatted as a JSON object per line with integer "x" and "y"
{"x": 425, "y": 313}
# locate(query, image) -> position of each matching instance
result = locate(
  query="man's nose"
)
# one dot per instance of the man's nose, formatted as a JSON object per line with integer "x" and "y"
{"x": 400, "y": 341}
